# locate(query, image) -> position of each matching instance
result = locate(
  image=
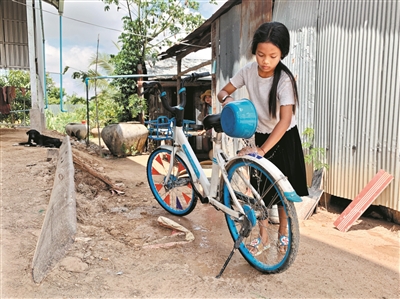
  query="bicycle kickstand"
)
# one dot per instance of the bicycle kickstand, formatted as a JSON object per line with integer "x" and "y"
{"x": 244, "y": 232}
{"x": 227, "y": 261}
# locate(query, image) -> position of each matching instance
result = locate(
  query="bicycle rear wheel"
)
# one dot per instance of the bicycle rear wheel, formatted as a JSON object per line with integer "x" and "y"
{"x": 176, "y": 195}
{"x": 276, "y": 258}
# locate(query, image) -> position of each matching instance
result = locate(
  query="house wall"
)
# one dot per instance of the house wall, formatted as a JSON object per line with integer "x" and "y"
{"x": 13, "y": 35}
{"x": 36, "y": 63}
{"x": 231, "y": 38}
{"x": 346, "y": 58}
{"x": 21, "y": 47}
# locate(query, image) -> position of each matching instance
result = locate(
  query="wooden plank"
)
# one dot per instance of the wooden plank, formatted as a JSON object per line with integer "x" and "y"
{"x": 363, "y": 200}
{"x": 85, "y": 166}
{"x": 306, "y": 208}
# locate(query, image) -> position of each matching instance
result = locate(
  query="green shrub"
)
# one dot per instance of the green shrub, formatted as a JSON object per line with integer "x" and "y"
{"x": 107, "y": 112}
{"x": 313, "y": 155}
{"x": 59, "y": 121}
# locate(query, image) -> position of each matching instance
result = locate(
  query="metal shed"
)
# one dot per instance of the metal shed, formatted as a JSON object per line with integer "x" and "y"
{"x": 349, "y": 51}
{"x": 345, "y": 55}
{"x": 22, "y": 47}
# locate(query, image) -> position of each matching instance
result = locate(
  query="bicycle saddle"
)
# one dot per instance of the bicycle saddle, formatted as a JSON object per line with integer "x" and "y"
{"x": 213, "y": 121}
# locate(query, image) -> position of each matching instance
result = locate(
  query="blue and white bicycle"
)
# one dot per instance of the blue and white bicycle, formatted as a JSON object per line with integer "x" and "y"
{"x": 237, "y": 185}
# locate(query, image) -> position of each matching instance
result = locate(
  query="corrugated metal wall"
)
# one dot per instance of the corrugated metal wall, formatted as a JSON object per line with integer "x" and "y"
{"x": 301, "y": 19}
{"x": 229, "y": 59}
{"x": 355, "y": 110}
{"x": 234, "y": 32}
{"x": 13, "y": 35}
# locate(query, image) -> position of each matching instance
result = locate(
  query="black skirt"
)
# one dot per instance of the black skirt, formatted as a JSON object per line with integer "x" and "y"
{"x": 288, "y": 156}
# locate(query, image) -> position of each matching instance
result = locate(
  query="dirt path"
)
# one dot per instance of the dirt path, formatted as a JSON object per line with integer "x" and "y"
{"x": 107, "y": 259}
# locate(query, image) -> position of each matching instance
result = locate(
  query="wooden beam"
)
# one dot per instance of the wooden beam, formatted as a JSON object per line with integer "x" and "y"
{"x": 193, "y": 68}
{"x": 363, "y": 200}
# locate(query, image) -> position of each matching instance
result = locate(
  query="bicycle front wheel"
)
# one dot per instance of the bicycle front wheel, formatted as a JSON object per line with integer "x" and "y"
{"x": 271, "y": 221}
{"x": 176, "y": 194}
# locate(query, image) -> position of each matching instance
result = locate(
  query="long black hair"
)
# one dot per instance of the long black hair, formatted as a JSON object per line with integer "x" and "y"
{"x": 277, "y": 34}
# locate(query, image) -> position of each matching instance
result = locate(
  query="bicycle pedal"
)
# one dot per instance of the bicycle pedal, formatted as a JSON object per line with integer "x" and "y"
{"x": 204, "y": 199}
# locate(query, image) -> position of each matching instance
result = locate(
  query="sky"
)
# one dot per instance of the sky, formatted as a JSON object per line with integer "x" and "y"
{"x": 83, "y": 23}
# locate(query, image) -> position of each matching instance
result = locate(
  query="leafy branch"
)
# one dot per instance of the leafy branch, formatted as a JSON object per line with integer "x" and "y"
{"x": 313, "y": 155}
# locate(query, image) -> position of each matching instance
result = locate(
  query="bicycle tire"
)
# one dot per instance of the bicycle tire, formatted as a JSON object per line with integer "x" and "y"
{"x": 270, "y": 260}
{"x": 177, "y": 195}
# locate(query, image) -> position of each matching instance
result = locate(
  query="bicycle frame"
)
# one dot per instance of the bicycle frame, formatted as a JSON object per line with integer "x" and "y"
{"x": 183, "y": 149}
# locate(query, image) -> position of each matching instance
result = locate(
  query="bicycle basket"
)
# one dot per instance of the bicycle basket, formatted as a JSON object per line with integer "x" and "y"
{"x": 239, "y": 119}
{"x": 160, "y": 129}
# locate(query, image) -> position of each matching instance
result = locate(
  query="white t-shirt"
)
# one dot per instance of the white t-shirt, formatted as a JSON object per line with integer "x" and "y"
{"x": 259, "y": 88}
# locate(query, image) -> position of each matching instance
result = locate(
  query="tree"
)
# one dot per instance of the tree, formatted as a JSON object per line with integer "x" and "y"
{"x": 53, "y": 92}
{"x": 103, "y": 107}
{"x": 148, "y": 26}
{"x": 105, "y": 67}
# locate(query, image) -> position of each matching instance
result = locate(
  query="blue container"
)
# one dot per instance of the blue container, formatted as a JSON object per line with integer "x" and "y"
{"x": 239, "y": 119}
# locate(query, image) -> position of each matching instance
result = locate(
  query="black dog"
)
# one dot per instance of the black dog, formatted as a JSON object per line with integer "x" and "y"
{"x": 37, "y": 139}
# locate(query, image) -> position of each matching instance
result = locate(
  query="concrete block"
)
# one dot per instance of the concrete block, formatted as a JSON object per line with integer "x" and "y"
{"x": 59, "y": 226}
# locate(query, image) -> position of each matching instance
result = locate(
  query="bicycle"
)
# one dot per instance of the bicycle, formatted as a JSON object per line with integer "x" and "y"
{"x": 237, "y": 187}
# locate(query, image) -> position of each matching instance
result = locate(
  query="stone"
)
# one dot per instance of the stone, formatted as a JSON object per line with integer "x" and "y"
{"x": 74, "y": 264}
{"x": 125, "y": 139}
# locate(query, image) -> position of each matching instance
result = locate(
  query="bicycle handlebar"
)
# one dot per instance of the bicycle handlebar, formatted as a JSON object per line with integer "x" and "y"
{"x": 191, "y": 78}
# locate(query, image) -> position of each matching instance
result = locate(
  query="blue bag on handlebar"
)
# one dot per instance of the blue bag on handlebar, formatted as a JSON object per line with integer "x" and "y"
{"x": 239, "y": 119}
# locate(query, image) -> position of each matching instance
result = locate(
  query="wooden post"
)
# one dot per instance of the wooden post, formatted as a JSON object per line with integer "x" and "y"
{"x": 178, "y": 80}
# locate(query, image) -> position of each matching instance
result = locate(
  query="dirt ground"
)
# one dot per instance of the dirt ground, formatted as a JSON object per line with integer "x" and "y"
{"x": 109, "y": 260}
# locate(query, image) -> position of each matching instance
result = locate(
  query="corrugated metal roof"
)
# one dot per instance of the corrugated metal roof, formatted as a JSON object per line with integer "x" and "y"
{"x": 200, "y": 38}
{"x": 168, "y": 66}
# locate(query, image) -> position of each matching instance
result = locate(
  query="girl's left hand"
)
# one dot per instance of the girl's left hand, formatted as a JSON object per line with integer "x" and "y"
{"x": 246, "y": 150}
{"x": 228, "y": 100}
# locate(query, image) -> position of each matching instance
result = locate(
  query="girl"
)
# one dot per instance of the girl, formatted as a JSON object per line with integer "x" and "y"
{"x": 272, "y": 88}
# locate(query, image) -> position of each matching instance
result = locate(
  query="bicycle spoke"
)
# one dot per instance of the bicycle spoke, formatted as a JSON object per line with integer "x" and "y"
{"x": 266, "y": 257}
{"x": 176, "y": 194}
